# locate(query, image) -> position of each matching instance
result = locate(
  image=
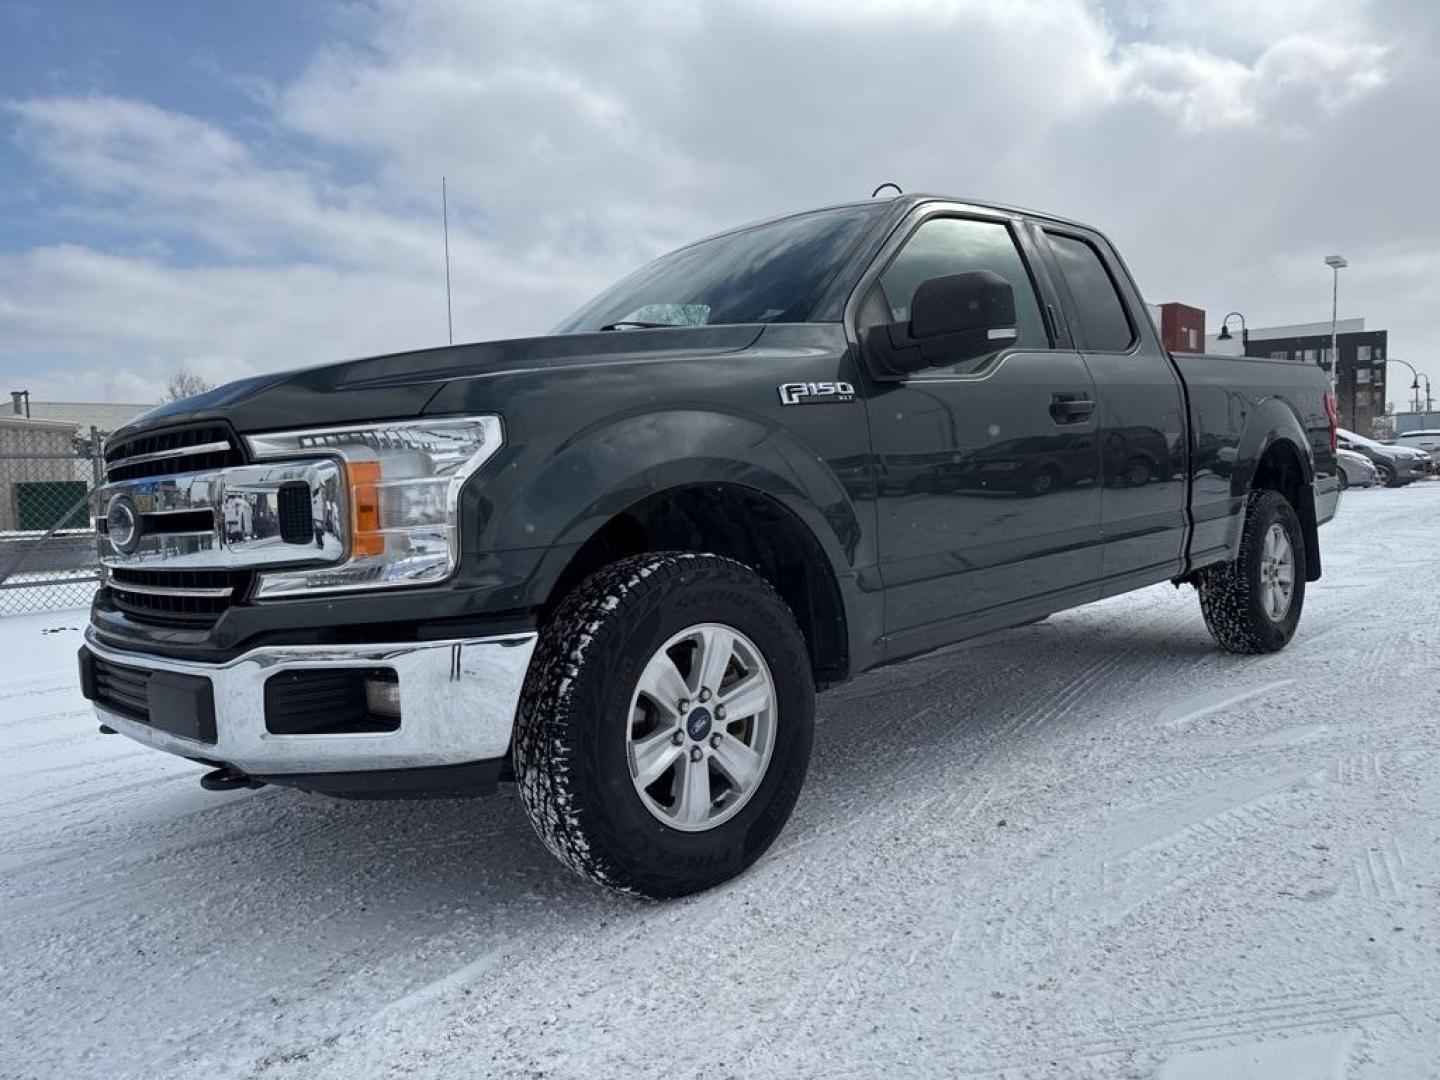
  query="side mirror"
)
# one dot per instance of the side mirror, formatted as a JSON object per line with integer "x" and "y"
{"x": 952, "y": 318}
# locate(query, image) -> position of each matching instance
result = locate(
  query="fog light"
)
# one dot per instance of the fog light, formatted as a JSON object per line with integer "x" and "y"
{"x": 382, "y": 696}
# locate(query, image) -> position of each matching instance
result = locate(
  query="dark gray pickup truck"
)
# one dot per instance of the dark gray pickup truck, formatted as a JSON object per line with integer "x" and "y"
{"x": 615, "y": 563}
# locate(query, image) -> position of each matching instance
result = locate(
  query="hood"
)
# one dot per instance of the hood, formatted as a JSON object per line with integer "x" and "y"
{"x": 399, "y": 385}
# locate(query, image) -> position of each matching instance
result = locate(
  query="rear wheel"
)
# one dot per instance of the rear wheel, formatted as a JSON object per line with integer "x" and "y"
{"x": 1252, "y": 605}
{"x": 666, "y": 723}
{"x": 1344, "y": 481}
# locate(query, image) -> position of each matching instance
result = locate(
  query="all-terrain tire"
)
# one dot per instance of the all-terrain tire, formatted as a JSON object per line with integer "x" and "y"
{"x": 1231, "y": 594}
{"x": 570, "y": 735}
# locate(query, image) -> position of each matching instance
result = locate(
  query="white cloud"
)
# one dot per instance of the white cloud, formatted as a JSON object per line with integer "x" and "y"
{"x": 1220, "y": 143}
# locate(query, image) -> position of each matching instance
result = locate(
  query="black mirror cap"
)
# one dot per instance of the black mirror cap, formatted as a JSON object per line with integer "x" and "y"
{"x": 962, "y": 303}
{"x": 952, "y": 318}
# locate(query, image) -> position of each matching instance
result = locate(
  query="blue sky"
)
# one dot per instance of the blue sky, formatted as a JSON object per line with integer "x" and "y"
{"x": 234, "y": 188}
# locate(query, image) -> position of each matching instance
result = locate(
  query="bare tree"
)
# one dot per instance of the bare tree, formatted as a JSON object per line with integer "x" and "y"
{"x": 183, "y": 385}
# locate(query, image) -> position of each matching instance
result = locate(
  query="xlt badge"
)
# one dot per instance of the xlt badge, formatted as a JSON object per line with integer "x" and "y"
{"x": 816, "y": 393}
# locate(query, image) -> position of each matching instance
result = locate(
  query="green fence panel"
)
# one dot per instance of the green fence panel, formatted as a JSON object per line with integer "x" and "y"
{"x": 42, "y": 504}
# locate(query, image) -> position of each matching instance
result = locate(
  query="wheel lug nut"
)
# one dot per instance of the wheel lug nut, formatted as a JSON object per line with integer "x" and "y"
{"x": 715, "y": 741}
{"x": 678, "y": 738}
{"x": 719, "y": 712}
{"x": 683, "y": 705}
{"x": 696, "y": 753}
{"x": 704, "y": 695}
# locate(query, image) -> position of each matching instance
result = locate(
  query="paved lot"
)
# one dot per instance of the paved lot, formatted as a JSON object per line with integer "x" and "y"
{"x": 1092, "y": 847}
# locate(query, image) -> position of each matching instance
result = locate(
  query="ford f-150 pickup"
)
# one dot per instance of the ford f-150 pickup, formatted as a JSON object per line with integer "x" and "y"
{"x": 614, "y": 563}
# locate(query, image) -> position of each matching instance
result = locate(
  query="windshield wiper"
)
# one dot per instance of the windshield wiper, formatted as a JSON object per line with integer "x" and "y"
{"x": 638, "y": 325}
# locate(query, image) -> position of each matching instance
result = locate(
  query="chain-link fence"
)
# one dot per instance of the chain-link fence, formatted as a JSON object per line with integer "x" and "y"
{"x": 48, "y": 556}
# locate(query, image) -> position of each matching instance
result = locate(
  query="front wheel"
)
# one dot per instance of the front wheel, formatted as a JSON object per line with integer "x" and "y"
{"x": 1252, "y": 605}
{"x": 1387, "y": 476}
{"x": 665, "y": 727}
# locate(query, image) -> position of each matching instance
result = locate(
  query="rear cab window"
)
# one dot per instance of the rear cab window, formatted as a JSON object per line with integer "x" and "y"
{"x": 1104, "y": 320}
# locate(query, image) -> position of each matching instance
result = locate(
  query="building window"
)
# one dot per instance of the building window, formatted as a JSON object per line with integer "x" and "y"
{"x": 1284, "y": 355}
{"x": 1379, "y": 398}
{"x": 1308, "y": 356}
{"x": 1362, "y": 354}
{"x": 1362, "y": 376}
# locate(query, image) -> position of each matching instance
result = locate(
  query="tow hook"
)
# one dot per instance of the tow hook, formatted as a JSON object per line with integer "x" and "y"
{"x": 228, "y": 779}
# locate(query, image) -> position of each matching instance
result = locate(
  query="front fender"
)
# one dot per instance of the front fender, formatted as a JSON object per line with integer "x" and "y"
{"x": 579, "y": 486}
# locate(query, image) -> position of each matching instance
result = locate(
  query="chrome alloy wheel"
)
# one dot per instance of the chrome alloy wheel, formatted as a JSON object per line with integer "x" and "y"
{"x": 1277, "y": 572}
{"x": 701, "y": 727}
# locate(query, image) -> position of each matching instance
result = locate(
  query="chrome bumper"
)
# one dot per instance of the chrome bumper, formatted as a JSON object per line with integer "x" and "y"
{"x": 457, "y": 705}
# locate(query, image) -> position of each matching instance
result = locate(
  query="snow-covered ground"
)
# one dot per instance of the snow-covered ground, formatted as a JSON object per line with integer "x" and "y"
{"x": 1095, "y": 847}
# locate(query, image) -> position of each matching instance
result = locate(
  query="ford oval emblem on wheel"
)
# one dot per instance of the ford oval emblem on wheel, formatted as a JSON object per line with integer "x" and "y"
{"x": 122, "y": 525}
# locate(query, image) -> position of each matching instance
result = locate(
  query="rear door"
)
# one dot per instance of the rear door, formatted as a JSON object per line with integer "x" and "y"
{"x": 988, "y": 468}
{"x": 1141, "y": 410}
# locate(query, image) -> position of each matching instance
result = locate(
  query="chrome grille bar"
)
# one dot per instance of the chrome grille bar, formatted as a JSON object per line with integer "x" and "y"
{"x": 242, "y": 503}
{"x": 168, "y": 590}
{"x": 164, "y": 455}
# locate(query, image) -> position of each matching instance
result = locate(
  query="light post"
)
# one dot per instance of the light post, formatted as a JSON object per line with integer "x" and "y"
{"x": 1225, "y": 334}
{"x": 1336, "y": 264}
{"x": 1416, "y": 384}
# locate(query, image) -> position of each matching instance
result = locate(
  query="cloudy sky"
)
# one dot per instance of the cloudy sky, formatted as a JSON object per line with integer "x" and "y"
{"x": 228, "y": 189}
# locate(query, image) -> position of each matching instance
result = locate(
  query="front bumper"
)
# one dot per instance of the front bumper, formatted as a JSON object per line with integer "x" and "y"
{"x": 457, "y": 705}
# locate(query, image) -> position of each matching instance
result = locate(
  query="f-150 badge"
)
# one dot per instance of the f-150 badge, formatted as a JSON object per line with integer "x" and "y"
{"x": 816, "y": 393}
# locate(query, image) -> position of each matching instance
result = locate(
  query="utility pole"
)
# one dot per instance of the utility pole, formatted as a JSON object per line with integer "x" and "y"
{"x": 445, "y": 217}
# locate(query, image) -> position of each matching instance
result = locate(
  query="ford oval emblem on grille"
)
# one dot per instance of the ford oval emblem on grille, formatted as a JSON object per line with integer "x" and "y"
{"x": 122, "y": 525}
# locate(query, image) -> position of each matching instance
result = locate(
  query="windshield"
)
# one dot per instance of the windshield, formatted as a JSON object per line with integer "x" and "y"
{"x": 771, "y": 273}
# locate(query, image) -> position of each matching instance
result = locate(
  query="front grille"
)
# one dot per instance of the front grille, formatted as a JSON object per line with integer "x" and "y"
{"x": 178, "y": 596}
{"x": 172, "y": 451}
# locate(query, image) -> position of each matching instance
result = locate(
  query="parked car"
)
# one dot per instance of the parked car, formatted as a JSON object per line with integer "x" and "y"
{"x": 1356, "y": 470}
{"x": 1397, "y": 465}
{"x": 615, "y": 563}
{"x": 1428, "y": 441}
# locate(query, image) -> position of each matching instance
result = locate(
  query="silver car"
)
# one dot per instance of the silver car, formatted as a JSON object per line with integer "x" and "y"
{"x": 1356, "y": 470}
{"x": 1397, "y": 465}
{"x": 1428, "y": 440}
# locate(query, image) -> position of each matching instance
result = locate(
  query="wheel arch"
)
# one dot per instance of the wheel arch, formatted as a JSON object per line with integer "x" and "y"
{"x": 749, "y": 524}
{"x": 1281, "y": 466}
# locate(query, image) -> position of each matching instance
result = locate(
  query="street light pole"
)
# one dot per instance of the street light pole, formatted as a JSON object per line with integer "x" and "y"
{"x": 1416, "y": 384}
{"x": 1225, "y": 334}
{"x": 1336, "y": 264}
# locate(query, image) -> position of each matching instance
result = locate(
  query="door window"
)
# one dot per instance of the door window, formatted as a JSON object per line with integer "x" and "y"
{"x": 942, "y": 246}
{"x": 1100, "y": 310}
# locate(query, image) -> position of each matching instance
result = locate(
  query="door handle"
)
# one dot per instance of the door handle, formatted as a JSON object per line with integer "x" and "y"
{"x": 1066, "y": 408}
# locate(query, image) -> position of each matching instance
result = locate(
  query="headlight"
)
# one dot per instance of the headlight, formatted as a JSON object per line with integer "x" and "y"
{"x": 404, "y": 483}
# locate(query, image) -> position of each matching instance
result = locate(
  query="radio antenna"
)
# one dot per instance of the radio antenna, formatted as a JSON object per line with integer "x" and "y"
{"x": 445, "y": 217}
{"x": 883, "y": 186}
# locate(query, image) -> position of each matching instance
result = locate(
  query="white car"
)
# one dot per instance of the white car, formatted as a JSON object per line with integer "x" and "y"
{"x": 1356, "y": 470}
{"x": 1428, "y": 440}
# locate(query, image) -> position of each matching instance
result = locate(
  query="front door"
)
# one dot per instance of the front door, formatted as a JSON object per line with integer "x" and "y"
{"x": 988, "y": 468}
